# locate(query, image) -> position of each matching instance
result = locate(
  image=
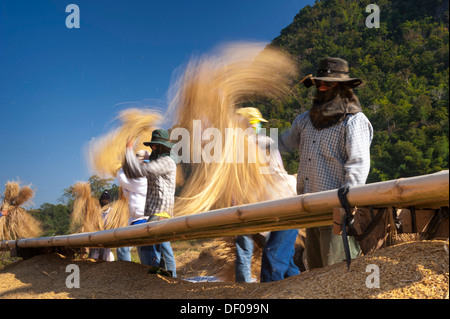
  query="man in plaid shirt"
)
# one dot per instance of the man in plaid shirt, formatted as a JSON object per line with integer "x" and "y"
{"x": 161, "y": 182}
{"x": 333, "y": 140}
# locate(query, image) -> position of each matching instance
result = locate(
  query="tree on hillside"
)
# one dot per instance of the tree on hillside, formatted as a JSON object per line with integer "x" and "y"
{"x": 54, "y": 218}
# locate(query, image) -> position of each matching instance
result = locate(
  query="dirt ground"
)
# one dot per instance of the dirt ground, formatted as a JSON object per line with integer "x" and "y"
{"x": 409, "y": 270}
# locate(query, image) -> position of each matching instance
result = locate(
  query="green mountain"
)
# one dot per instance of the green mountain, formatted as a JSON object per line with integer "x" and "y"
{"x": 405, "y": 67}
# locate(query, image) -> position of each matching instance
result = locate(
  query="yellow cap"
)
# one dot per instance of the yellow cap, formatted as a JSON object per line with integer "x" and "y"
{"x": 251, "y": 113}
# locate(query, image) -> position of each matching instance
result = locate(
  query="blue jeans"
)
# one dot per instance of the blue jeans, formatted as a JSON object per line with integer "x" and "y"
{"x": 159, "y": 255}
{"x": 244, "y": 251}
{"x": 124, "y": 253}
{"x": 278, "y": 256}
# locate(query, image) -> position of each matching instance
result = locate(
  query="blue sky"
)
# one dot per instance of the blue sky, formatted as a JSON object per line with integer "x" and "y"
{"x": 61, "y": 87}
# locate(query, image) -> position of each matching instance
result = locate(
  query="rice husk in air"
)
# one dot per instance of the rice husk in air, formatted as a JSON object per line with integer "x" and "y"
{"x": 18, "y": 223}
{"x": 87, "y": 212}
{"x": 106, "y": 154}
{"x": 119, "y": 212}
{"x": 207, "y": 95}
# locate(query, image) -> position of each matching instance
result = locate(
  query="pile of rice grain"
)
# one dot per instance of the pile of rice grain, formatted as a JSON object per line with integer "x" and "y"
{"x": 416, "y": 270}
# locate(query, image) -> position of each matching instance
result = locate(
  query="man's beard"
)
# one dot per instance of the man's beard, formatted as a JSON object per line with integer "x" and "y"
{"x": 330, "y": 107}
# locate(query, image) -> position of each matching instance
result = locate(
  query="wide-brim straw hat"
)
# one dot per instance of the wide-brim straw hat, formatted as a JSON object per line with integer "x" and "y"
{"x": 161, "y": 137}
{"x": 332, "y": 70}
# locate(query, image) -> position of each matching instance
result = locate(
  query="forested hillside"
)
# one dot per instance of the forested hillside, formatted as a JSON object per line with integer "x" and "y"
{"x": 404, "y": 65}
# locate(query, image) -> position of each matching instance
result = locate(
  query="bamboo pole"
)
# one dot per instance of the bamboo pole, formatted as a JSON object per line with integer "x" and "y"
{"x": 302, "y": 211}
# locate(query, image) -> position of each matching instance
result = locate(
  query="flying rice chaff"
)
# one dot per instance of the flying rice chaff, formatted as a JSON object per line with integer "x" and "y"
{"x": 18, "y": 223}
{"x": 210, "y": 91}
{"x": 119, "y": 212}
{"x": 106, "y": 154}
{"x": 207, "y": 95}
{"x": 87, "y": 212}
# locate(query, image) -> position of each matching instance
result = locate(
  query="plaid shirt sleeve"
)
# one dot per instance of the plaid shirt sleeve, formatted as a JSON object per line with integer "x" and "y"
{"x": 161, "y": 179}
{"x": 152, "y": 169}
{"x": 359, "y": 134}
{"x": 291, "y": 138}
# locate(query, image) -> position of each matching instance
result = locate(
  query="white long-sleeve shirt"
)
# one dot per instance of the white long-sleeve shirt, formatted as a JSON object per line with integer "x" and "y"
{"x": 135, "y": 190}
{"x": 285, "y": 183}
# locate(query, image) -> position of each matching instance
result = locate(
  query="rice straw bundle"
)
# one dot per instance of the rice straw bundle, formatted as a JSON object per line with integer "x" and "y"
{"x": 209, "y": 92}
{"x": 107, "y": 153}
{"x": 87, "y": 213}
{"x": 18, "y": 223}
{"x": 119, "y": 212}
